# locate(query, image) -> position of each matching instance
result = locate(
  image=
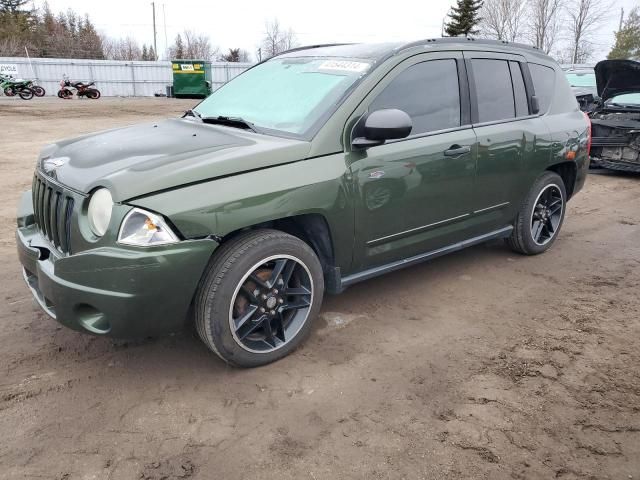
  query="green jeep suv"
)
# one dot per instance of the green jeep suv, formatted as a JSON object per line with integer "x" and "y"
{"x": 318, "y": 168}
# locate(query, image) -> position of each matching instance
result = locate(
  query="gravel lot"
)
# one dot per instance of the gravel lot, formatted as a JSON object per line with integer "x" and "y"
{"x": 482, "y": 364}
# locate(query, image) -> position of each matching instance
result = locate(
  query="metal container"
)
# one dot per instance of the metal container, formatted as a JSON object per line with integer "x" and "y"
{"x": 191, "y": 78}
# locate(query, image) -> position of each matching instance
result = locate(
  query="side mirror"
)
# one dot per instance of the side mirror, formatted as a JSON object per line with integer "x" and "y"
{"x": 383, "y": 125}
{"x": 535, "y": 105}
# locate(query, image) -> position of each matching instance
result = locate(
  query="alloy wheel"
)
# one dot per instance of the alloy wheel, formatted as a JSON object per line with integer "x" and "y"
{"x": 547, "y": 214}
{"x": 271, "y": 304}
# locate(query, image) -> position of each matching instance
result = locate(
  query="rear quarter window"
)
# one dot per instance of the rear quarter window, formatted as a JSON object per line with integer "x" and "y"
{"x": 543, "y": 84}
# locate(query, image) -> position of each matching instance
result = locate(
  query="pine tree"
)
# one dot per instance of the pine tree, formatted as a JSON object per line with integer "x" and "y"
{"x": 177, "y": 51}
{"x": 628, "y": 38}
{"x": 232, "y": 56}
{"x": 463, "y": 18}
{"x": 13, "y": 6}
{"x": 151, "y": 54}
{"x": 145, "y": 55}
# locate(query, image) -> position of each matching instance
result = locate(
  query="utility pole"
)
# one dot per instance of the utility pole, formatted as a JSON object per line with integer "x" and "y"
{"x": 166, "y": 42}
{"x": 621, "y": 18}
{"x": 155, "y": 44}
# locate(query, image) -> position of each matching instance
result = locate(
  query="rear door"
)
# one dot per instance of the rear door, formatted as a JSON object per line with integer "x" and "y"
{"x": 508, "y": 134}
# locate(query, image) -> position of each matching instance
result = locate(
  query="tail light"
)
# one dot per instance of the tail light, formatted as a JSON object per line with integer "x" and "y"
{"x": 588, "y": 133}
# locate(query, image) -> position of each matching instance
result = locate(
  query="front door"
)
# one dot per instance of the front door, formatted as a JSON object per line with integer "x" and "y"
{"x": 415, "y": 194}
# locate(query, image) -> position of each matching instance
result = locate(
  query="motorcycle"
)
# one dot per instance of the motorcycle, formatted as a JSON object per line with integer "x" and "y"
{"x": 38, "y": 91}
{"x": 12, "y": 87}
{"x": 82, "y": 89}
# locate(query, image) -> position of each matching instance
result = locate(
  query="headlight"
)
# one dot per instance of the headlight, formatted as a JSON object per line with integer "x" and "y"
{"x": 99, "y": 212}
{"x": 144, "y": 228}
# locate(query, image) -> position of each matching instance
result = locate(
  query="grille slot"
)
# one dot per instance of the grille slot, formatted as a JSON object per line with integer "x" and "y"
{"x": 52, "y": 210}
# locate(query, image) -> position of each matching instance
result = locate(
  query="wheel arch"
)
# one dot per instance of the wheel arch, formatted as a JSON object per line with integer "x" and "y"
{"x": 311, "y": 228}
{"x": 568, "y": 171}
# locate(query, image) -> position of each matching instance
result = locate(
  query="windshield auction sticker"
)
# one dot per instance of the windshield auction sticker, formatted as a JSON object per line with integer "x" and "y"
{"x": 343, "y": 66}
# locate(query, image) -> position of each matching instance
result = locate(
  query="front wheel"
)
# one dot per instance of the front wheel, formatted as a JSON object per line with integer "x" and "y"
{"x": 9, "y": 92}
{"x": 540, "y": 217}
{"x": 258, "y": 298}
{"x": 38, "y": 91}
{"x": 25, "y": 93}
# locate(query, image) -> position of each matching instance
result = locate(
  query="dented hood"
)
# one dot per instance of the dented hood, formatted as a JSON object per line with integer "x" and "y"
{"x": 142, "y": 159}
{"x": 616, "y": 77}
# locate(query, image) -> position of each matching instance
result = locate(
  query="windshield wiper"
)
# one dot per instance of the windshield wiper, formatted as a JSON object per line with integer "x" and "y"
{"x": 192, "y": 113}
{"x": 237, "y": 122}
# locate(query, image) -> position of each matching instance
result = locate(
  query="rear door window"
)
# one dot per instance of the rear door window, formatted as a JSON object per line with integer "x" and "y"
{"x": 494, "y": 92}
{"x": 543, "y": 83}
{"x": 428, "y": 91}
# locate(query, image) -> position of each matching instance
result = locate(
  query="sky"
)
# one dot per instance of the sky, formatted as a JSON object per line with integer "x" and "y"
{"x": 242, "y": 23}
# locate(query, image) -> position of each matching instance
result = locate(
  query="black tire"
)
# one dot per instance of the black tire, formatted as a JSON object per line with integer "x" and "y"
{"x": 529, "y": 238}
{"x": 224, "y": 286}
{"x": 60, "y": 94}
{"x": 25, "y": 93}
{"x": 93, "y": 93}
{"x": 38, "y": 91}
{"x": 9, "y": 92}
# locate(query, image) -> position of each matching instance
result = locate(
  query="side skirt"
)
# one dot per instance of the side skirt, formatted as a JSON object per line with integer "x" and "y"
{"x": 423, "y": 257}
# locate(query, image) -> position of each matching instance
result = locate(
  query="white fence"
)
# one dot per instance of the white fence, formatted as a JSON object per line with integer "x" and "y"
{"x": 113, "y": 78}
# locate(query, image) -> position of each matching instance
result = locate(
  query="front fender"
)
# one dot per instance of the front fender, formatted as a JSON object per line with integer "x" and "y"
{"x": 220, "y": 207}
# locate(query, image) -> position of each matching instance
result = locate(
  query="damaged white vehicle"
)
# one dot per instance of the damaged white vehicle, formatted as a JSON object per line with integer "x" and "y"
{"x": 615, "y": 116}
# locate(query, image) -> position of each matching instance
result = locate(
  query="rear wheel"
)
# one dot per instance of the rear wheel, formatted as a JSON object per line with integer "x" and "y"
{"x": 38, "y": 91}
{"x": 259, "y": 297}
{"x": 93, "y": 93}
{"x": 9, "y": 92}
{"x": 541, "y": 215}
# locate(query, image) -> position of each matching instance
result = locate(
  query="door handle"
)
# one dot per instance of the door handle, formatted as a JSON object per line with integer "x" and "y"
{"x": 456, "y": 150}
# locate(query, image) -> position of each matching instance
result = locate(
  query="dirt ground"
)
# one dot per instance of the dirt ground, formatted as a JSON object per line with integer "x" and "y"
{"x": 483, "y": 364}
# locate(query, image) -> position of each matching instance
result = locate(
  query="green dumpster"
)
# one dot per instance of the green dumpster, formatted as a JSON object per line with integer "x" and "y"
{"x": 191, "y": 78}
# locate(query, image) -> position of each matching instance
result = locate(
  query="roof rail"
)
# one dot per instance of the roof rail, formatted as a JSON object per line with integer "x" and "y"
{"x": 309, "y": 47}
{"x": 485, "y": 41}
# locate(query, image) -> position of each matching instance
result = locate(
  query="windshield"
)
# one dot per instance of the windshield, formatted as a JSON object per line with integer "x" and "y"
{"x": 582, "y": 79}
{"x": 289, "y": 95}
{"x": 626, "y": 99}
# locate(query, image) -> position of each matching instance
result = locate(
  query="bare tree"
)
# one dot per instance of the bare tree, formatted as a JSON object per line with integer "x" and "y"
{"x": 502, "y": 19}
{"x": 121, "y": 48}
{"x": 193, "y": 45}
{"x": 277, "y": 39}
{"x": 544, "y": 22}
{"x": 584, "y": 17}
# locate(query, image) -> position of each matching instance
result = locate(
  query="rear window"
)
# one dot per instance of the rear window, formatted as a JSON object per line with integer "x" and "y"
{"x": 543, "y": 84}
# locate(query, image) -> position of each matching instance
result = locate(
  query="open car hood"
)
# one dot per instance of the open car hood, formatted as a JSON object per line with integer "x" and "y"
{"x": 616, "y": 77}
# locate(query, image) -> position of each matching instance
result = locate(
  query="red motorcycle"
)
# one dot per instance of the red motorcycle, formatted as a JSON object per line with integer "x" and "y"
{"x": 82, "y": 89}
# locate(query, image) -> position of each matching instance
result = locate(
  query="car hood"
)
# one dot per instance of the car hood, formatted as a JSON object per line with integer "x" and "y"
{"x": 142, "y": 159}
{"x": 615, "y": 77}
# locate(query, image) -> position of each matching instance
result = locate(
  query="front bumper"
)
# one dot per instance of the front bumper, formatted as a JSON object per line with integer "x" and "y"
{"x": 117, "y": 291}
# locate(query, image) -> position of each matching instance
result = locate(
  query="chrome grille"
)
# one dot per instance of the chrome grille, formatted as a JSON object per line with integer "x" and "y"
{"x": 52, "y": 210}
